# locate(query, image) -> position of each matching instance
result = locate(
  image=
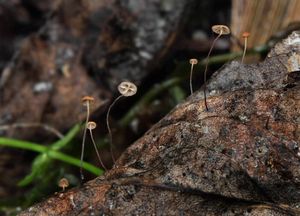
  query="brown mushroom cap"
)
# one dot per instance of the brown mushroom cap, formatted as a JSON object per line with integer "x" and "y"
{"x": 245, "y": 34}
{"x": 87, "y": 99}
{"x": 221, "y": 29}
{"x": 63, "y": 183}
{"x": 91, "y": 125}
{"x": 127, "y": 89}
{"x": 193, "y": 61}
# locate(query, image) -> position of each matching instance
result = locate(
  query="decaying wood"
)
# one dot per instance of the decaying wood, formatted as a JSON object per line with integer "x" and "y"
{"x": 239, "y": 158}
{"x": 265, "y": 16}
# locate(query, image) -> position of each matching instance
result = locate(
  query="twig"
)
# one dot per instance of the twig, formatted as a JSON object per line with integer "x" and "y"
{"x": 33, "y": 125}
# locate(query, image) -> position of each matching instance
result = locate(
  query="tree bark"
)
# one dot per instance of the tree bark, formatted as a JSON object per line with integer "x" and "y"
{"x": 241, "y": 157}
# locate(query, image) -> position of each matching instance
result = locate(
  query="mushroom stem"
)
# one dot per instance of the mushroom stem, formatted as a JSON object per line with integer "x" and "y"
{"x": 97, "y": 152}
{"x": 192, "y": 62}
{"x": 109, "y": 130}
{"x": 206, "y": 67}
{"x": 245, "y": 36}
{"x": 191, "y": 78}
{"x": 245, "y": 49}
{"x": 83, "y": 139}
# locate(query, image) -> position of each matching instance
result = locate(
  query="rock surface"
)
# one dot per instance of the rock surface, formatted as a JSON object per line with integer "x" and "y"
{"x": 241, "y": 157}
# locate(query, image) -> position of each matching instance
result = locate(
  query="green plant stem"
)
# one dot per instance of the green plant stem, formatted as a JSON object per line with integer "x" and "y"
{"x": 74, "y": 161}
{"x": 41, "y": 162}
{"x": 20, "y": 144}
{"x": 66, "y": 139}
{"x": 230, "y": 56}
{"x": 177, "y": 93}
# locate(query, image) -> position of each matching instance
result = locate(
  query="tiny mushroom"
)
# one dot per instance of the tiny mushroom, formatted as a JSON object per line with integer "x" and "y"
{"x": 193, "y": 62}
{"x": 126, "y": 89}
{"x": 220, "y": 30}
{"x": 91, "y": 126}
{"x": 86, "y": 101}
{"x": 63, "y": 183}
{"x": 245, "y": 36}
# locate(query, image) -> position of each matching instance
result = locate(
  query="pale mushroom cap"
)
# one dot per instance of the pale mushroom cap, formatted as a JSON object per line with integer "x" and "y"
{"x": 91, "y": 125}
{"x": 193, "y": 61}
{"x": 127, "y": 89}
{"x": 221, "y": 29}
{"x": 63, "y": 183}
{"x": 87, "y": 99}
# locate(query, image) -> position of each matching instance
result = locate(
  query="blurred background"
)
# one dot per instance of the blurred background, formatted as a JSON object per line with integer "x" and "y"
{"x": 54, "y": 52}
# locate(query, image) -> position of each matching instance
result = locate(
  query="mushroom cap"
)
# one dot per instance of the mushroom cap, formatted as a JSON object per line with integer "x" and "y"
{"x": 245, "y": 34}
{"x": 91, "y": 125}
{"x": 193, "y": 61}
{"x": 221, "y": 29}
{"x": 87, "y": 99}
{"x": 63, "y": 183}
{"x": 127, "y": 89}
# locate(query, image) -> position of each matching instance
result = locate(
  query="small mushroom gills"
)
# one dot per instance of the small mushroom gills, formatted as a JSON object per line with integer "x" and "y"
{"x": 245, "y": 36}
{"x": 192, "y": 62}
{"x": 220, "y": 30}
{"x": 91, "y": 126}
{"x": 63, "y": 183}
{"x": 86, "y": 101}
{"x": 126, "y": 89}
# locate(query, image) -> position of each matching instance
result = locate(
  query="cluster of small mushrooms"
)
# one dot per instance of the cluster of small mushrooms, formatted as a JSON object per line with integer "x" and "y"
{"x": 127, "y": 89}
{"x": 220, "y": 30}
